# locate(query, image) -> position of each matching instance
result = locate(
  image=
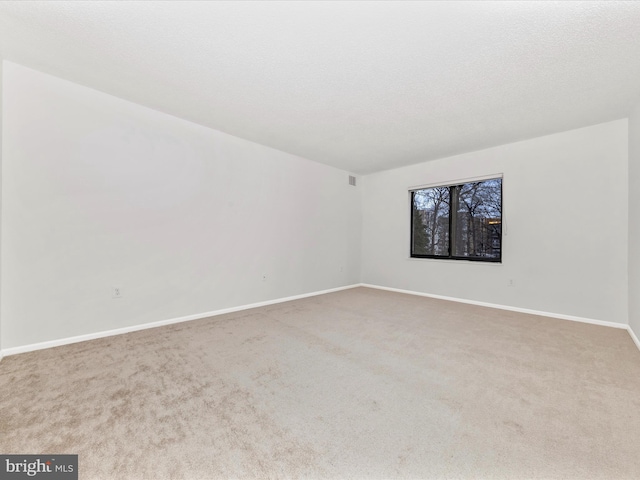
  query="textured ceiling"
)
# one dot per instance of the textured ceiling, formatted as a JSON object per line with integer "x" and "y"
{"x": 358, "y": 85}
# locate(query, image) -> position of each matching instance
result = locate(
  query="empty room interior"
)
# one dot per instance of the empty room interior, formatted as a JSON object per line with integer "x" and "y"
{"x": 320, "y": 240}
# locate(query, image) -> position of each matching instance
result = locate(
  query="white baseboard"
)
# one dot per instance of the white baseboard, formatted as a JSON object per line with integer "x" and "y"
{"x": 134, "y": 328}
{"x": 504, "y": 307}
{"x": 144, "y": 326}
{"x": 634, "y": 337}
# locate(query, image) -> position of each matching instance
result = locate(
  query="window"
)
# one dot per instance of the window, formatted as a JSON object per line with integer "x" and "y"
{"x": 458, "y": 222}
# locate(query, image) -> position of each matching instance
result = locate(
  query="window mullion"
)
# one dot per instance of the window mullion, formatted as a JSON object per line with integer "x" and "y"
{"x": 453, "y": 209}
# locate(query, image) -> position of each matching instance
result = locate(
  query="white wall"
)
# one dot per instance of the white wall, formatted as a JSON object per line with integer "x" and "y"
{"x": 1, "y": 115}
{"x": 99, "y": 192}
{"x": 634, "y": 220}
{"x": 565, "y": 207}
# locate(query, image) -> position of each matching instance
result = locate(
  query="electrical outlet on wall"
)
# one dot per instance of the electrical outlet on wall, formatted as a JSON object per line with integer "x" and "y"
{"x": 116, "y": 292}
{"x": 511, "y": 282}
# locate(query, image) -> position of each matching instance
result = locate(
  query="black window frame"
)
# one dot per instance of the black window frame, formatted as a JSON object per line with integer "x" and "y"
{"x": 452, "y": 219}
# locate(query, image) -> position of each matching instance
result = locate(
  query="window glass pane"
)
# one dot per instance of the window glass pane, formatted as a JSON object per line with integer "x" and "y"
{"x": 430, "y": 221}
{"x": 477, "y": 229}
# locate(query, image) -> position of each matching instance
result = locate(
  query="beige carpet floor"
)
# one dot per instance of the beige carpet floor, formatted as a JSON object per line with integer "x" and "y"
{"x": 355, "y": 384}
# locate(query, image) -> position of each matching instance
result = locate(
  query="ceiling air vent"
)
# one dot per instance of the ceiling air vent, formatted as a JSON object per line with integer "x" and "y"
{"x": 352, "y": 180}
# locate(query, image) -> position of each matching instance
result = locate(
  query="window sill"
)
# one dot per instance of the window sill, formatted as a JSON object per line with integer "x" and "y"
{"x": 455, "y": 262}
